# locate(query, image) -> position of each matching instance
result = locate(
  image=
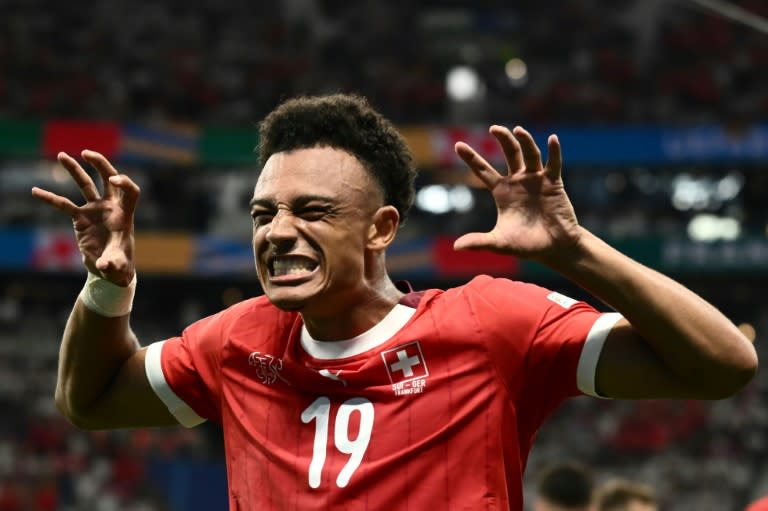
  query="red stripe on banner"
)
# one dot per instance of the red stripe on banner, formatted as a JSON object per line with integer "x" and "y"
{"x": 444, "y": 140}
{"x": 452, "y": 263}
{"x": 74, "y": 136}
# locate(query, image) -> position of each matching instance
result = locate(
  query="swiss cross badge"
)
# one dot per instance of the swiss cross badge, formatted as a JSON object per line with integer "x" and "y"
{"x": 407, "y": 368}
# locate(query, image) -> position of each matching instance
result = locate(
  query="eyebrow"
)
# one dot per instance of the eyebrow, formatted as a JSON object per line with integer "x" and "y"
{"x": 295, "y": 203}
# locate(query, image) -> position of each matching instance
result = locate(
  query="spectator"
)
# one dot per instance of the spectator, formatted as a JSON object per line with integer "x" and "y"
{"x": 625, "y": 495}
{"x": 565, "y": 486}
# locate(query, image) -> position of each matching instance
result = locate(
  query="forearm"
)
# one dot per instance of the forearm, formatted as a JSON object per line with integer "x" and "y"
{"x": 93, "y": 350}
{"x": 695, "y": 340}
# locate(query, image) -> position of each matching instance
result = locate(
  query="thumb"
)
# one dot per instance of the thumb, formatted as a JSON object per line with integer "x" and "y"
{"x": 475, "y": 241}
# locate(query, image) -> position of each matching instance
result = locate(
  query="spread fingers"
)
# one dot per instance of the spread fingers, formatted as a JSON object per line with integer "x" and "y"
{"x": 57, "y": 201}
{"x": 80, "y": 176}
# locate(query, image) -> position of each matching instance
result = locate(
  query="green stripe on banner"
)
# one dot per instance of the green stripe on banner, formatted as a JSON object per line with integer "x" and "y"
{"x": 221, "y": 145}
{"x": 21, "y": 138}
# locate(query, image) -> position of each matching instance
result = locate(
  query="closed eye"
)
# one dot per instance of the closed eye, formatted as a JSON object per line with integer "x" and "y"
{"x": 312, "y": 213}
{"x": 261, "y": 217}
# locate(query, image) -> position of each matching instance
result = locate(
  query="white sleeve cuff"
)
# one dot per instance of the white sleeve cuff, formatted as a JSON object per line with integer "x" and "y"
{"x": 181, "y": 410}
{"x": 590, "y": 353}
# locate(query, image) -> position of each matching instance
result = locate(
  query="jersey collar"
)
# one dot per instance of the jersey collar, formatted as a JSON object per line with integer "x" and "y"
{"x": 375, "y": 336}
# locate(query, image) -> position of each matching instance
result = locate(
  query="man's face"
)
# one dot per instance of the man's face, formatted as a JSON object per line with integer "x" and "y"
{"x": 312, "y": 213}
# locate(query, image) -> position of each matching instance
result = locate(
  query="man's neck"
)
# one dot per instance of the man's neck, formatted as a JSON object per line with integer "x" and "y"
{"x": 356, "y": 317}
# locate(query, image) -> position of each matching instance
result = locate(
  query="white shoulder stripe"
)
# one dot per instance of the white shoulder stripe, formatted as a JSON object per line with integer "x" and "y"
{"x": 590, "y": 353}
{"x": 154, "y": 369}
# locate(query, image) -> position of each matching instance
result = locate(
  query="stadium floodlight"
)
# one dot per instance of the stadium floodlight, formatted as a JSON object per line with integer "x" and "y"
{"x": 707, "y": 227}
{"x": 434, "y": 199}
{"x": 439, "y": 199}
{"x": 461, "y": 198}
{"x": 462, "y": 83}
{"x": 517, "y": 72}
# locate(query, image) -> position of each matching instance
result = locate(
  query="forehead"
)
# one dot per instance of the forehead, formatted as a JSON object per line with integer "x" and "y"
{"x": 316, "y": 170}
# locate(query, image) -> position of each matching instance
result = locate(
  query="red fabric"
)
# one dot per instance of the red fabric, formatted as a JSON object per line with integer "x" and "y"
{"x": 758, "y": 505}
{"x": 478, "y": 367}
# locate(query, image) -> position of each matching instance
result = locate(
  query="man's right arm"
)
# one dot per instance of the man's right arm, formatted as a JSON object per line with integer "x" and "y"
{"x": 102, "y": 382}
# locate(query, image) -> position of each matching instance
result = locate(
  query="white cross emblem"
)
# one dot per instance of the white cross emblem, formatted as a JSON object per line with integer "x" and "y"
{"x": 405, "y": 363}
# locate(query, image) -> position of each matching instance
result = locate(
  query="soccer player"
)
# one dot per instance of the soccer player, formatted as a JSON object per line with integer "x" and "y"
{"x": 565, "y": 486}
{"x": 340, "y": 389}
{"x": 625, "y": 495}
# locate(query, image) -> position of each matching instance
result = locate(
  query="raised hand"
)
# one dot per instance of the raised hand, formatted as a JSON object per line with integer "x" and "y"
{"x": 535, "y": 217}
{"x": 104, "y": 224}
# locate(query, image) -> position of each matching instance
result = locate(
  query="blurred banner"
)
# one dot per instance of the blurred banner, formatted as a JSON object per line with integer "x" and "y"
{"x": 55, "y": 250}
{"x": 172, "y": 143}
{"x": 623, "y": 144}
{"x": 431, "y": 145}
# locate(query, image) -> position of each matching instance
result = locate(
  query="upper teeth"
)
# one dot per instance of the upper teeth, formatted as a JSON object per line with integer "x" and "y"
{"x": 292, "y": 266}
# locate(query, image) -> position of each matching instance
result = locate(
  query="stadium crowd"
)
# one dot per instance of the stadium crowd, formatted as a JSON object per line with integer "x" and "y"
{"x": 45, "y": 463}
{"x": 230, "y": 62}
{"x": 627, "y": 60}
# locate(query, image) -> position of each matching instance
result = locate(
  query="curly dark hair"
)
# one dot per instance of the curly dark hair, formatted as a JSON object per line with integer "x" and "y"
{"x": 347, "y": 122}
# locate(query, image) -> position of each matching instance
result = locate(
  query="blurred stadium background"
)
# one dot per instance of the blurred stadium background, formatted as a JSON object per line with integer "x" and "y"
{"x": 661, "y": 107}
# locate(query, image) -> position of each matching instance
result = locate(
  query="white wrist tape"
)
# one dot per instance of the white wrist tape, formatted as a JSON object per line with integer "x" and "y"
{"x": 107, "y": 299}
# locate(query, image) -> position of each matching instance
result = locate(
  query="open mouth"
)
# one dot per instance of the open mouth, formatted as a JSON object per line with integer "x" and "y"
{"x": 281, "y": 266}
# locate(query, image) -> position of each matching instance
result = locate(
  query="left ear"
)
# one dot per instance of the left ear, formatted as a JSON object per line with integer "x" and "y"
{"x": 382, "y": 230}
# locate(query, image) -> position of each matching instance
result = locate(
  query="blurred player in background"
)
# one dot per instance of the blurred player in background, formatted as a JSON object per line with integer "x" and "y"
{"x": 566, "y": 486}
{"x": 625, "y": 495}
{"x": 340, "y": 389}
{"x": 760, "y": 504}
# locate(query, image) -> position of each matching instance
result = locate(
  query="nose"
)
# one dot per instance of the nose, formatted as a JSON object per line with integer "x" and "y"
{"x": 282, "y": 229}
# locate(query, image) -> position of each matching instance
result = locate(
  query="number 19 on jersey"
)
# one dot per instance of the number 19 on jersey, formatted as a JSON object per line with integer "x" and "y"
{"x": 320, "y": 412}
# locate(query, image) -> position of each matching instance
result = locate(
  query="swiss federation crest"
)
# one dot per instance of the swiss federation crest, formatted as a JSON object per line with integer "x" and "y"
{"x": 406, "y": 368}
{"x": 267, "y": 367}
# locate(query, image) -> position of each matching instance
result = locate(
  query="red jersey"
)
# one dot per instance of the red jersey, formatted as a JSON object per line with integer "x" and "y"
{"x": 435, "y": 407}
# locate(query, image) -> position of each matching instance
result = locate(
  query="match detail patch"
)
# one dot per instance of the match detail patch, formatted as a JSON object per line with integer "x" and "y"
{"x": 562, "y": 300}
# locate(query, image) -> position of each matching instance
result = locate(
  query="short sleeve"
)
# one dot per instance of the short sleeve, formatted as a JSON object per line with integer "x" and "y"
{"x": 185, "y": 373}
{"x": 537, "y": 338}
{"x": 153, "y": 366}
{"x": 565, "y": 346}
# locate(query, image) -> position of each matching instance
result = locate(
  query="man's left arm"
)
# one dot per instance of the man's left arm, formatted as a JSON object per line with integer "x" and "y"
{"x": 671, "y": 342}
